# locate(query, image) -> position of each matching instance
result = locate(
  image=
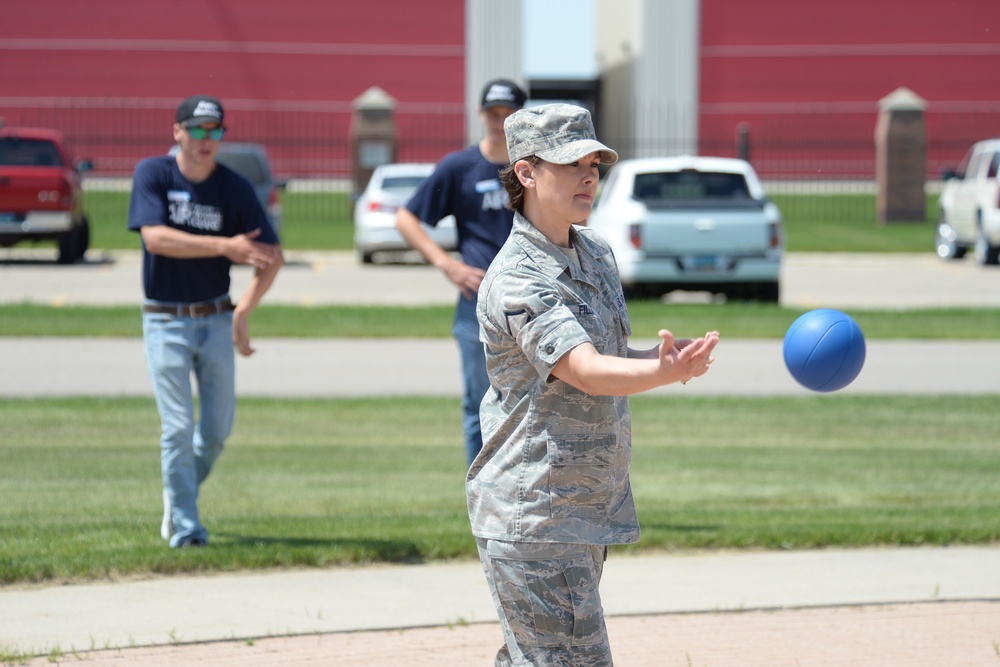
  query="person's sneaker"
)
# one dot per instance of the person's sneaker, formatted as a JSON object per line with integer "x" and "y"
{"x": 167, "y": 527}
{"x": 193, "y": 542}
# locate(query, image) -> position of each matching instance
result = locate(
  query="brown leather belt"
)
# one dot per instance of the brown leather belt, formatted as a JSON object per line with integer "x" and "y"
{"x": 201, "y": 309}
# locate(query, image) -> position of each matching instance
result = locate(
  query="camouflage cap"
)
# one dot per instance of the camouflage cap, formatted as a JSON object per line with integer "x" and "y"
{"x": 556, "y": 133}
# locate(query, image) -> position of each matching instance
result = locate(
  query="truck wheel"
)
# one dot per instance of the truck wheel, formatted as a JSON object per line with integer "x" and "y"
{"x": 73, "y": 246}
{"x": 753, "y": 292}
{"x": 985, "y": 252}
{"x": 769, "y": 292}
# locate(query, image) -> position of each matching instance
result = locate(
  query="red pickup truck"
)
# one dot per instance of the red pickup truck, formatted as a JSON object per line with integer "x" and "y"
{"x": 40, "y": 195}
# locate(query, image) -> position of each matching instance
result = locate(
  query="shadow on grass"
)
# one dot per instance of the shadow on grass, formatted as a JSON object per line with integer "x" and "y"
{"x": 682, "y": 528}
{"x": 354, "y": 550}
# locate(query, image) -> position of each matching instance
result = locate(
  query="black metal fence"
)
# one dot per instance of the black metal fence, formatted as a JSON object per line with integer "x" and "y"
{"x": 303, "y": 142}
{"x": 310, "y": 147}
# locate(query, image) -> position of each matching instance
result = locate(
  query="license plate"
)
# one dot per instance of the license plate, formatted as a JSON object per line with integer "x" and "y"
{"x": 702, "y": 264}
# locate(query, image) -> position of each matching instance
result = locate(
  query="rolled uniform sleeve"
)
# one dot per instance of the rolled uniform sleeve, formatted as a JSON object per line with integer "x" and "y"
{"x": 547, "y": 328}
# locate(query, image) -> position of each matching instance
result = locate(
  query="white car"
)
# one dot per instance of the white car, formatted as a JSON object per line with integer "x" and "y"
{"x": 390, "y": 187}
{"x": 691, "y": 223}
{"x": 969, "y": 207}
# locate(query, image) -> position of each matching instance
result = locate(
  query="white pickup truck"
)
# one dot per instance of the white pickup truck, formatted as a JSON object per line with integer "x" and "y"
{"x": 691, "y": 223}
{"x": 969, "y": 207}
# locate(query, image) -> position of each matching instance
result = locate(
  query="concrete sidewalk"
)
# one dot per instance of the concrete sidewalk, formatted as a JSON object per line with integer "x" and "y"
{"x": 956, "y": 634}
{"x": 197, "y": 609}
{"x": 348, "y": 367}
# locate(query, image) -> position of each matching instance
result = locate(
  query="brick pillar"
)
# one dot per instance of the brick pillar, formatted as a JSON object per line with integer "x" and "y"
{"x": 373, "y": 135}
{"x": 901, "y": 157}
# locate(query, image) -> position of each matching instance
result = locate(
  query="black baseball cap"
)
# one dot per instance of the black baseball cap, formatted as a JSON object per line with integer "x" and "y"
{"x": 502, "y": 93}
{"x": 199, "y": 109}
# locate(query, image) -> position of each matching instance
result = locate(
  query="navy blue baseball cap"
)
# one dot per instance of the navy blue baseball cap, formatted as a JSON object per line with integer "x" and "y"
{"x": 502, "y": 93}
{"x": 199, "y": 109}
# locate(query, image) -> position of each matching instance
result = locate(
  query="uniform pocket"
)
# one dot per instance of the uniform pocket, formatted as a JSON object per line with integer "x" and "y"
{"x": 580, "y": 474}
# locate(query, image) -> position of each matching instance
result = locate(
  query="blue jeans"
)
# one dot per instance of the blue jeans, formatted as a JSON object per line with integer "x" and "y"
{"x": 176, "y": 347}
{"x": 475, "y": 381}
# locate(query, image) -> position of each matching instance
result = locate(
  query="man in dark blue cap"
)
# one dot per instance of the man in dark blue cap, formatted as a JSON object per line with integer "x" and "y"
{"x": 466, "y": 184}
{"x": 196, "y": 218}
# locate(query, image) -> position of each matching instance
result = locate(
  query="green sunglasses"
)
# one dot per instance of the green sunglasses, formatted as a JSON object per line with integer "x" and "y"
{"x": 199, "y": 133}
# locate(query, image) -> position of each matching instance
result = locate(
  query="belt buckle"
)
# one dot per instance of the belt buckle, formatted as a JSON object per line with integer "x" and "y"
{"x": 198, "y": 309}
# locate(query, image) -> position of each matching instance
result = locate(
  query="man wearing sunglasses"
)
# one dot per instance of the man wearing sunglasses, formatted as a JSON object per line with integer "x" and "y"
{"x": 196, "y": 218}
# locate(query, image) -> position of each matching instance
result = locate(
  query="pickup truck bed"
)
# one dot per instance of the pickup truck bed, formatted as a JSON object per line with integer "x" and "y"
{"x": 691, "y": 223}
{"x": 40, "y": 196}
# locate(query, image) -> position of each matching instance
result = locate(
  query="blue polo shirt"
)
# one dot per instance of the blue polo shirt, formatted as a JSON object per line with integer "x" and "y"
{"x": 224, "y": 204}
{"x": 467, "y": 185}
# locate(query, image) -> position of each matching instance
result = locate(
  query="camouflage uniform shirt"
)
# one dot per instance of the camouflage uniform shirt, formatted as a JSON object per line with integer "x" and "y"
{"x": 555, "y": 460}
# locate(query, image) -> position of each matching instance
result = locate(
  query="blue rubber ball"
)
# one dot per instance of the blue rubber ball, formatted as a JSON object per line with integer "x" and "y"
{"x": 824, "y": 350}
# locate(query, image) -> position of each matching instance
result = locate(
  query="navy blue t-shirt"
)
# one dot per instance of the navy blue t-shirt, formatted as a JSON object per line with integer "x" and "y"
{"x": 224, "y": 204}
{"x": 467, "y": 185}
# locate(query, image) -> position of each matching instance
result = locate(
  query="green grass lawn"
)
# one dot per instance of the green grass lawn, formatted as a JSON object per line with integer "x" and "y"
{"x": 732, "y": 320}
{"x": 847, "y": 223}
{"x": 322, "y": 482}
{"x": 322, "y": 221}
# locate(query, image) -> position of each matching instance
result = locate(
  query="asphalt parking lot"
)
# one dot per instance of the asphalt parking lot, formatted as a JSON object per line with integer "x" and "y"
{"x": 809, "y": 280}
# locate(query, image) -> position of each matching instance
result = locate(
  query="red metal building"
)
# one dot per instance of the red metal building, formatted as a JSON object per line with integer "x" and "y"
{"x": 287, "y": 72}
{"x": 805, "y": 77}
{"x": 811, "y": 73}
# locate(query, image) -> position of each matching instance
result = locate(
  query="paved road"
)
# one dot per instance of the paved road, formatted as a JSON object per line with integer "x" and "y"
{"x": 809, "y": 280}
{"x": 318, "y": 368}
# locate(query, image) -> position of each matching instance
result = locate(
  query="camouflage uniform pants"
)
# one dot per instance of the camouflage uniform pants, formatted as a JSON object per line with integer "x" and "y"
{"x": 546, "y": 595}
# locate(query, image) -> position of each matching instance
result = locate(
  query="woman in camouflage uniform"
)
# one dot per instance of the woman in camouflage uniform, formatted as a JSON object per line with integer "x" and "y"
{"x": 550, "y": 489}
